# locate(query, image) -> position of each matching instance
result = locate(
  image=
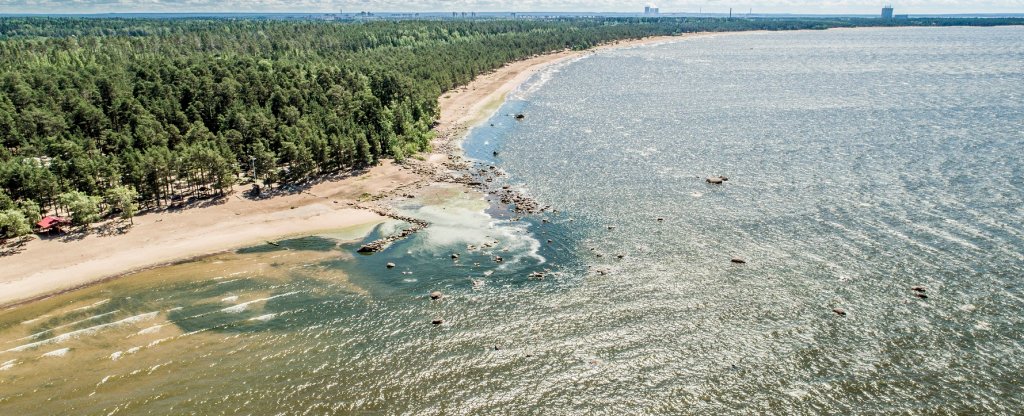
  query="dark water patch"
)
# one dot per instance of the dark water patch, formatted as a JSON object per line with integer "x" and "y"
{"x": 310, "y": 243}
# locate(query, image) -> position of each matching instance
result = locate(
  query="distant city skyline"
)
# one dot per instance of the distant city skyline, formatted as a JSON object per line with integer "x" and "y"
{"x": 666, "y": 7}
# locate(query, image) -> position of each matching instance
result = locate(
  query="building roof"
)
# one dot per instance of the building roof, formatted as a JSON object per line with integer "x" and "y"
{"x": 50, "y": 221}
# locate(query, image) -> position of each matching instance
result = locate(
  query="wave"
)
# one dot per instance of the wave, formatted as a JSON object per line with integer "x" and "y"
{"x": 85, "y": 331}
{"x": 57, "y": 353}
{"x": 41, "y": 333}
{"x": 241, "y": 307}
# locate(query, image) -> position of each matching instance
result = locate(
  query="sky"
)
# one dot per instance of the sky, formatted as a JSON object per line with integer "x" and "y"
{"x": 668, "y": 6}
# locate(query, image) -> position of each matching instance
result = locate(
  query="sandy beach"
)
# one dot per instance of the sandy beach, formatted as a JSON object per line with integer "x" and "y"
{"x": 44, "y": 267}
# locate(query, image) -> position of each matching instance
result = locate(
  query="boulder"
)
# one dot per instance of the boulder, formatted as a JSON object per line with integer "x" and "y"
{"x": 435, "y": 295}
{"x": 715, "y": 180}
{"x": 839, "y": 311}
{"x": 390, "y": 265}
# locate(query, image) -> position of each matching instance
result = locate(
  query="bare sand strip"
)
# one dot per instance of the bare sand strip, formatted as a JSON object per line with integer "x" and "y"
{"x": 46, "y": 267}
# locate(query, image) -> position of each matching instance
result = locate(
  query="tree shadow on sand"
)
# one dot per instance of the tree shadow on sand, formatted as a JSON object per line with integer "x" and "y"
{"x": 112, "y": 228}
{"x": 269, "y": 192}
{"x": 13, "y": 246}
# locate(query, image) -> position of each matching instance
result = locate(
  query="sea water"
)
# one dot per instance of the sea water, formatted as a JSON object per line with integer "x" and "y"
{"x": 861, "y": 163}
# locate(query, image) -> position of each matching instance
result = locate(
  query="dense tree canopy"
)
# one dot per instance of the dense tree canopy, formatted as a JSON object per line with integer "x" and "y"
{"x": 166, "y": 109}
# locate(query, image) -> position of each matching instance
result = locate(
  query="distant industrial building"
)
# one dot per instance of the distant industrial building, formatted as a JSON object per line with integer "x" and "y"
{"x": 650, "y": 10}
{"x": 887, "y": 11}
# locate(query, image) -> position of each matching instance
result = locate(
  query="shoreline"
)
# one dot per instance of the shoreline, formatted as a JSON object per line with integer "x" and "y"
{"x": 44, "y": 268}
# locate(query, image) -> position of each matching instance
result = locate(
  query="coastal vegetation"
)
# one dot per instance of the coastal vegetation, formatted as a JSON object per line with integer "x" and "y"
{"x": 106, "y": 116}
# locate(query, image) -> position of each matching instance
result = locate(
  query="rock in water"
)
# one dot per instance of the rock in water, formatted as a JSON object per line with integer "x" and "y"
{"x": 839, "y": 311}
{"x": 920, "y": 289}
{"x": 435, "y": 295}
{"x": 437, "y": 321}
{"x": 390, "y": 265}
{"x": 455, "y": 256}
{"x": 716, "y": 180}
{"x": 738, "y": 260}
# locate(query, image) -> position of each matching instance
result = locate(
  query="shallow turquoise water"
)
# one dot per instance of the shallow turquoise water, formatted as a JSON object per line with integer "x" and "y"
{"x": 861, "y": 163}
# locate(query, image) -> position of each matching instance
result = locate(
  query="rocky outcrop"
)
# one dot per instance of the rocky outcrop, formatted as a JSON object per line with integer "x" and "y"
{"x": 380, "y": 244}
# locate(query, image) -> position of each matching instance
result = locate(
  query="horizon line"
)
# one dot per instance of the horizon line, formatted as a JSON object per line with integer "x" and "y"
{"x": 639, "y": 13}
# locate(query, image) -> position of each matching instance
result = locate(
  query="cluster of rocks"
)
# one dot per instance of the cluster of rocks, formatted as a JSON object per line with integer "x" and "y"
{"x": 416, "y": 225}
{"x": 484, "y": 178}
{"x": 522, "y": 203}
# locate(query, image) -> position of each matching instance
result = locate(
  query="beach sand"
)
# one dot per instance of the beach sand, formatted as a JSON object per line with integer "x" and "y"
{"x": 45, "y": 267}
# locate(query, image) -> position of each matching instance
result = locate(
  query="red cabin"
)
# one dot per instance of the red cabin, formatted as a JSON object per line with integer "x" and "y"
{"x": 50, "y": 223}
